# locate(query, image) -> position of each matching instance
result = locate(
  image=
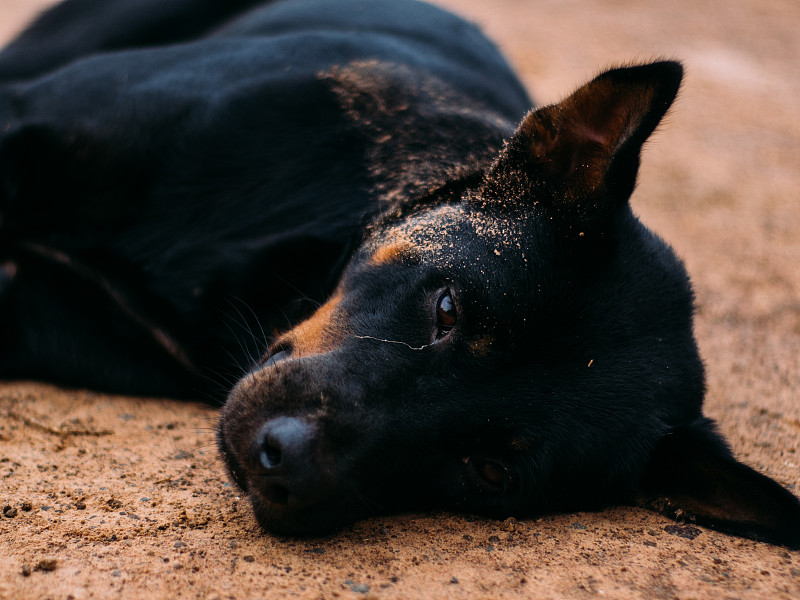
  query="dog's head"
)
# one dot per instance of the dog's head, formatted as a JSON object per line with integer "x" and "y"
{"x": 519, "y": 342}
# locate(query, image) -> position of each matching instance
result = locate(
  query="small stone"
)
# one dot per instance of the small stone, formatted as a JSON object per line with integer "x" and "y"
{"x": 47, "y": 564}
{"x": 80, "y": 505}
{"x": 360, "y": 588}
{"x": 249, "y": 558}
{"x": 9, "y": 511}
{"x": 27, "y": 506}
{"x": 510, "y": 524}
{"x": 684, "y": 531}
{"x": 454, "y": 580}
{"x": 26, "y": 570}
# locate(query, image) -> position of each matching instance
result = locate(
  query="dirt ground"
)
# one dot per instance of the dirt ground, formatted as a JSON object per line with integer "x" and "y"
{"x": 112, "y": 497}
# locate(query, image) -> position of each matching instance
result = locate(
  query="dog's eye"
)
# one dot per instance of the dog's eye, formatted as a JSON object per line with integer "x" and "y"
{"x": 446, "y": 314}
{"x": 492, "y": 475}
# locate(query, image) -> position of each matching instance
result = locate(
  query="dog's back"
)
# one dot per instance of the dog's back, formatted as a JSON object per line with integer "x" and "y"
{"x": 237, "y": 168}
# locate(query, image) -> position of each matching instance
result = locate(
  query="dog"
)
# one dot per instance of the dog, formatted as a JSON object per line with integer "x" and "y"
{"x": 417, "y": 300}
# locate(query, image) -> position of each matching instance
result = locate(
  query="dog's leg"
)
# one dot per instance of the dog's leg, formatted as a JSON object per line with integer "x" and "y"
{"x": 64, "y": 321}
{"x": 77, "y": 28}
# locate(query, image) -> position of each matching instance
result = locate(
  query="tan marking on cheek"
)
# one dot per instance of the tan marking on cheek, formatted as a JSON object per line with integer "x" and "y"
{"x": 389, "y": 254}
{"x": 520, "y": 444}
{"x": 482, "y": 346}
{"x": 10, "y": 269}
{"x": 321, "y": 332}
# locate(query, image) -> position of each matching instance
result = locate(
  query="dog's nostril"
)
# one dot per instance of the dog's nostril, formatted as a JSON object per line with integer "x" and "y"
{"x": 270, "y": 456}
{"x": 283, "y": 459}
{"x": 283, "y": 445}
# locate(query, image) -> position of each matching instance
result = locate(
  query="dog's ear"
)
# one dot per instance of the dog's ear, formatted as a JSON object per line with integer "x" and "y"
{"x": 583, "y": 153}
{"x": 693, "y": 476}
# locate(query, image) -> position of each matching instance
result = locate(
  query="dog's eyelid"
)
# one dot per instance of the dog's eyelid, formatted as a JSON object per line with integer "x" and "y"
{"x": 492, "y": 475}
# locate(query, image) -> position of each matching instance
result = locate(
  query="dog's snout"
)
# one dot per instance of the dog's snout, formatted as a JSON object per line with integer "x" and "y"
{"x": 283, "y": 453}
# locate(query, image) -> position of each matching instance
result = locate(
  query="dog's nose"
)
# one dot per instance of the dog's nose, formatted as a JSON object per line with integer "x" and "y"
{"x": 283, "y": 454}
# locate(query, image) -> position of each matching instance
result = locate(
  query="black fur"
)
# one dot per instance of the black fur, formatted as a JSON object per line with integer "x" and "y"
{"x": 419, "y": 303}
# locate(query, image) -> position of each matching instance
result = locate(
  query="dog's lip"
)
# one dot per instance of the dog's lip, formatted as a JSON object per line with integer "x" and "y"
{"x": 232, "y": 464}
{"x": 312, "y": 520}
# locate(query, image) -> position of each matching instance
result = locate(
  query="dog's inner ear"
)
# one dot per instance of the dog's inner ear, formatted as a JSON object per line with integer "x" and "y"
{"x": 692, "y": 476}
{"x": 585, "y": 150}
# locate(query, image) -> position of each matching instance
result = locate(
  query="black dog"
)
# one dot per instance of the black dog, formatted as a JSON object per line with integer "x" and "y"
{"x": 499, "y": 333}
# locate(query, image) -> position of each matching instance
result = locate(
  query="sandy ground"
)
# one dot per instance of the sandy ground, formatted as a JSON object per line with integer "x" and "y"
{"x": 112, "y": 497}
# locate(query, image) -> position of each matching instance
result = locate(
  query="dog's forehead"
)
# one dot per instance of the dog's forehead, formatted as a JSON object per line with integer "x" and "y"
{"x": 450, "y": 236}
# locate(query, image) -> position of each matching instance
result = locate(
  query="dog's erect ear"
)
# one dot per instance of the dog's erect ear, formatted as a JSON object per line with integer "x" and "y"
{"x": 584, "y": 152}
{"x": 693, "y": 476}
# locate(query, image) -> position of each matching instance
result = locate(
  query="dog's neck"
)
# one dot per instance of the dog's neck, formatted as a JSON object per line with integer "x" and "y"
{"x": 419, "y": 133}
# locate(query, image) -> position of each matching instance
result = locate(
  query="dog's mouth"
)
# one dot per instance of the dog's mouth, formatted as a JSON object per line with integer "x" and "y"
{"x": 270, "y": 468}
{"x": 287, "y": 466}
{"x": 297, "y": 491}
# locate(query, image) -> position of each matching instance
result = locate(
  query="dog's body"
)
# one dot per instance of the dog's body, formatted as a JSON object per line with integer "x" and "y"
{"x": 499, "y": 333}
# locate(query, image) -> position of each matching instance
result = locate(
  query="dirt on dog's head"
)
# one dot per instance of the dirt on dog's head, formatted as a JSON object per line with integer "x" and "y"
{"x": 522, "y": 347}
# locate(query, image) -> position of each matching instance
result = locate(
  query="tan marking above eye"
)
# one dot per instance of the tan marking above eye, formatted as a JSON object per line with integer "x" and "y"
{"x": 321, "y": 332}
{"x": 393, "y": 253}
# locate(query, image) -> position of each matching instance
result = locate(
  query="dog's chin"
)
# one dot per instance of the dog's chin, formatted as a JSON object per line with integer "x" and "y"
{"x": 280, "y": 519}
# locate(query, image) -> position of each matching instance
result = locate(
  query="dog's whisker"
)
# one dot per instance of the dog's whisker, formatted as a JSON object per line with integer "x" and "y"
{"x": 262, "y": 341}
{"x": 245, "y": 326}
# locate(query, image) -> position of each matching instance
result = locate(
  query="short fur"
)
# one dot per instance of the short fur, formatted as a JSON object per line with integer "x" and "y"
{"x": 453, "y": 310}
